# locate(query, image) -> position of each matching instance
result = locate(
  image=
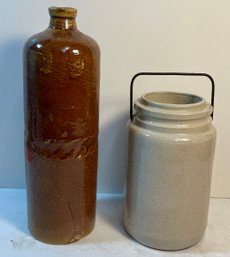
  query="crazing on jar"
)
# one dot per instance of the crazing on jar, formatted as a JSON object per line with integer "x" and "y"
{"x": 170, "y": 156}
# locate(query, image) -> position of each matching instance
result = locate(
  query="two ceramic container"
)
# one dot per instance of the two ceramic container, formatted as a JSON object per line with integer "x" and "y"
{"x": 171, "y": 147}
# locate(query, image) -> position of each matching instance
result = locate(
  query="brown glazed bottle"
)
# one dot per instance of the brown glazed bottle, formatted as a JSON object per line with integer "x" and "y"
{"x": 61, "y": 93}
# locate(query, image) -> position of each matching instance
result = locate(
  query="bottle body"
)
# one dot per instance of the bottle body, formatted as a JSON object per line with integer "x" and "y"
{"x": 61, "y": 92}
{"x": 171, "y": 150}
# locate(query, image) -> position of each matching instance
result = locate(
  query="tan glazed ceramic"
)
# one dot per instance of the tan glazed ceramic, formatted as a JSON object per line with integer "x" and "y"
{"x": 61, "y": 91}
{"x": 171, "y": 150}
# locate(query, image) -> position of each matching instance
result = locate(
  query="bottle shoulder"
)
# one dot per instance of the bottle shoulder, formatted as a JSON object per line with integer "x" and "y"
{"x": 62, "y": 40}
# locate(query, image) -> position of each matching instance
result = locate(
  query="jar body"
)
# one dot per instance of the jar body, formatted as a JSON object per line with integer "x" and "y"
{"x": 61, "y": 94}
{"x": 168, "y": 181}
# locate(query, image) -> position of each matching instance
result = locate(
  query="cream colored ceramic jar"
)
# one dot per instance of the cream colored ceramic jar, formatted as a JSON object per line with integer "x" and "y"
{"x": 171, "y": 150}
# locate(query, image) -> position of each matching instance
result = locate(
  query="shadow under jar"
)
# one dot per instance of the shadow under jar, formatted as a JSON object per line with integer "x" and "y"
{"x": 61, "y": 95}
{"x": 171, "y": 150}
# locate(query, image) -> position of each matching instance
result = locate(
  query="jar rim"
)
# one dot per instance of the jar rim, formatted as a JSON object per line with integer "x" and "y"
{"x": 171, "y": 99}
{"x": 172, "y": 106}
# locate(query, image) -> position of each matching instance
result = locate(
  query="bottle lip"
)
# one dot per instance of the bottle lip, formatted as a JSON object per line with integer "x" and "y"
{"x": 62, "y": 12}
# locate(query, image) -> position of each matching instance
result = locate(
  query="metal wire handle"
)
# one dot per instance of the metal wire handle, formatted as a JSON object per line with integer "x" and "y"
{"x": 194, "y": 74}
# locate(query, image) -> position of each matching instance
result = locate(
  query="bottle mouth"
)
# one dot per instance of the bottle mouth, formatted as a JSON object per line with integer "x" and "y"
{"x": 62, "y": 12}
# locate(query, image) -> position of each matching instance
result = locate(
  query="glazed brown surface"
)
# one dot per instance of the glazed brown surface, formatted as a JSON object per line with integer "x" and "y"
{"x": 61, "y": 92}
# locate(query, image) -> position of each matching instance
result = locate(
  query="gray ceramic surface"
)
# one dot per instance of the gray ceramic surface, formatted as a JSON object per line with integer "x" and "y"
{"x": 171, "y": 150}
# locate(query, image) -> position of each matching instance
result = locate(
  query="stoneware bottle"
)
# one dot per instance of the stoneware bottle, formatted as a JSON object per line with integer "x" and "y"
{"x": 61, "y": 93}
{"x": 171, "y": 149}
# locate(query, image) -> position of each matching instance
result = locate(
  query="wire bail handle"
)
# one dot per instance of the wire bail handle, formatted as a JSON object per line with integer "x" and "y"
{"x": 192, "y": 74}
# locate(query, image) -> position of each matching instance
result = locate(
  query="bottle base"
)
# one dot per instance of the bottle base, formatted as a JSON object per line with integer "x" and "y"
{"x": 59, "y": 241}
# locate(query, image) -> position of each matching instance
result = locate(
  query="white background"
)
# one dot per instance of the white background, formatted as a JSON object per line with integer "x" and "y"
{"x": 151, "y": 35}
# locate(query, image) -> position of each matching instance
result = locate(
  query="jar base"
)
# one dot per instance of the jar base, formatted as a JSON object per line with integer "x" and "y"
{"x": 162, "y": 246}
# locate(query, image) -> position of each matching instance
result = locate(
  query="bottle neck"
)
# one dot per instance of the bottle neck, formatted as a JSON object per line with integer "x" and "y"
{"x": 62, "y": 23}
